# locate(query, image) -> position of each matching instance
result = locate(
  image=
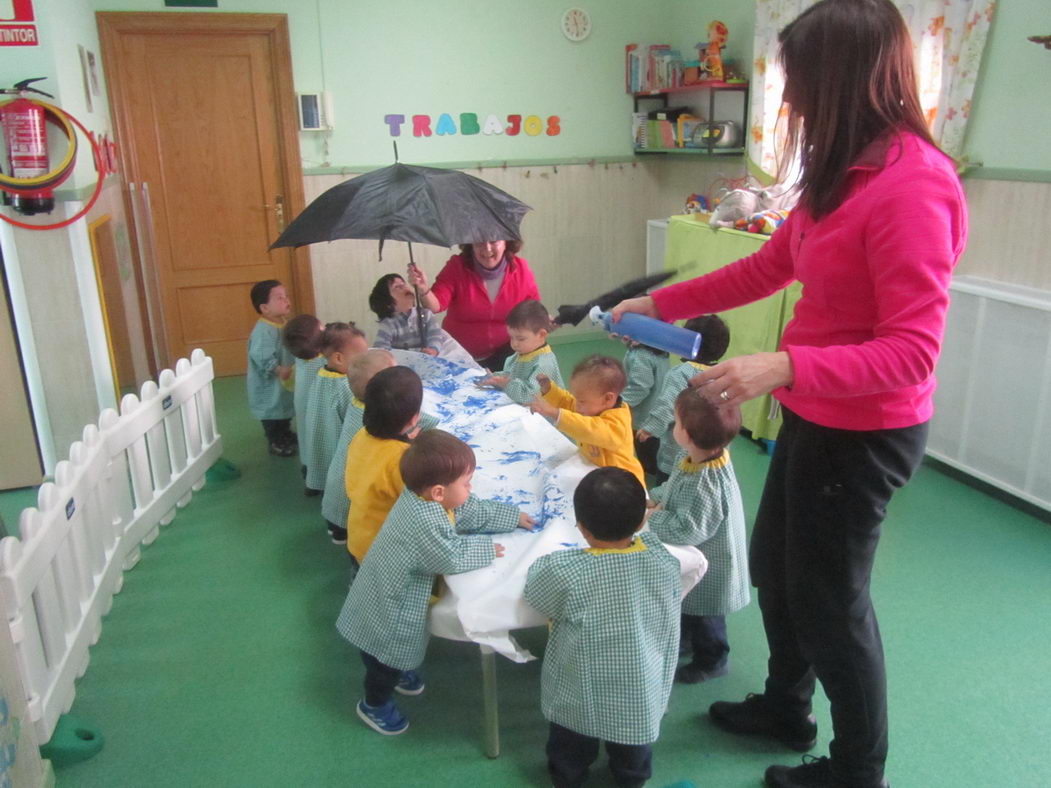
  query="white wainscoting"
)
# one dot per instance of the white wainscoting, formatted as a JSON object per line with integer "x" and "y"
{"x": 994, "y": 387}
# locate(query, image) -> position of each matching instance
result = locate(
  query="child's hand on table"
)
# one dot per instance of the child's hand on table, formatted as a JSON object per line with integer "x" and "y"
{"x": 543, "y": 407}
{"x": 526, "y": 522}
{"x": 499, "y": 550}
{"x": 429, "y": 351}
{"x": 494, "y": 381}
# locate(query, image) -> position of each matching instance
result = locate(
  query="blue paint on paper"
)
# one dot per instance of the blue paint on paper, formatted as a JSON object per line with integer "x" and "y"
{"x": 519, "y": 456}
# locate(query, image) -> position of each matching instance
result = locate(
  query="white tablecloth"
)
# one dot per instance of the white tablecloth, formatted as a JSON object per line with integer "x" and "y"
{"x": 522, "y": 459}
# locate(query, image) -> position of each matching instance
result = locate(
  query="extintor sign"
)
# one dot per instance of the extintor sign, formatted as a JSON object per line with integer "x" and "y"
{"x": 16, "y": 24}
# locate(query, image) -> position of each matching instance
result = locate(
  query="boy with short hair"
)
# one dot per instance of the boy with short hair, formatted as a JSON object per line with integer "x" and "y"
{"x": 435, "y": 528}
{"x": 646, "y": 368}
{"x": 269, "y": 366}
{"x": 700, "y": 505}
{"x": 328, "y": 402}
{"x": 592, "y": 413}
{"x": 528, "y": 325}
{"x": 715, "y": 338}
{"x": 302, "y": 338}
{"x": 610, "y": 657}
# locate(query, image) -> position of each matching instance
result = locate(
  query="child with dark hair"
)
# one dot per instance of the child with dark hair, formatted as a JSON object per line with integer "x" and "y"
{"x": 394, "y": 302}
{"x": 646, "y": 368}
{"x": 423, "y": 536}
{"x": 610, "y": 657}
{"x": 715, "y": 338}
{"x": 327, "y": 405}
{"x": 592, "y": 412}
{"x": 373, "y": 479}
{"x": 528, "y": 325}
{"x": 302, "y": 338}
{"x": 270, "y": 366}
{"x": 700, "y": 505}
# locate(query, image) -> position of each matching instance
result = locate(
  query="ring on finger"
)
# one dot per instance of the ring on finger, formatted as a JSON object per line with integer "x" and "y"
{"x": 725, "y": 396}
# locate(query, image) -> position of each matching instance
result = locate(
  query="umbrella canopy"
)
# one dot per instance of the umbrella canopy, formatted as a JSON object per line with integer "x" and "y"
{"x": 408, "y": 203}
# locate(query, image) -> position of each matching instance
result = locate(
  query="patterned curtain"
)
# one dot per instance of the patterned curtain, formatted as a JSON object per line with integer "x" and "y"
{"x": 948, "y": 39}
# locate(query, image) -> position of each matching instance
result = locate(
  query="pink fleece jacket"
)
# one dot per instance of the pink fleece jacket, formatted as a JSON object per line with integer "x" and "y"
{"x": 868, "y": 328}
{"x": 474, "y": 321}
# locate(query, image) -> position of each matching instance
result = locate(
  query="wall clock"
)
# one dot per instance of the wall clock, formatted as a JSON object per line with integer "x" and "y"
{"x": 576, "y": 24}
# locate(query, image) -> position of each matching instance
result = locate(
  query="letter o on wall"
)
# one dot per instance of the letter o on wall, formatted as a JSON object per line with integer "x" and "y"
{"x": 533, "y": 125}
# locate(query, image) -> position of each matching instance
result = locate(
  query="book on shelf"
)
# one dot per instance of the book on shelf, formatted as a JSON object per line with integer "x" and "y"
{"x": 657, "y": 67}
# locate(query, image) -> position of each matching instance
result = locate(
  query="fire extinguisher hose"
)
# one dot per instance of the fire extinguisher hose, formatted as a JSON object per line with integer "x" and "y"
{"x": 65, "y": 167}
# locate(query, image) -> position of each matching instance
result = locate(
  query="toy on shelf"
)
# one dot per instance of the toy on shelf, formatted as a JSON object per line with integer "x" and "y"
{"x": 765, "y": 222}
{"x": 696, "y": 203}
{"x": 742, "y": 208}
{"x": 711, "y": 60}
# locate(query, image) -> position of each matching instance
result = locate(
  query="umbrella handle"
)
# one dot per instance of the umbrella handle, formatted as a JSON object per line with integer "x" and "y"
{"x": 415, "y": 289}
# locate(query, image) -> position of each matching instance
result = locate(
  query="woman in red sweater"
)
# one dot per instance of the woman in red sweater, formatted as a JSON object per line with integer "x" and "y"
{"x": 880, "y": 224}
{"x": 479, "y": 287}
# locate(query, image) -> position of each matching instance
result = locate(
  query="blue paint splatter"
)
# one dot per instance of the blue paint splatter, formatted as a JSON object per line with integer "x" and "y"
{"x": 519, "y": 456}
{"x": 443, "y": 388}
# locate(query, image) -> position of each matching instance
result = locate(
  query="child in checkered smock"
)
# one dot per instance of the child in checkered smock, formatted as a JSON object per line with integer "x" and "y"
{"x": 700, "y": 505}
{"x": 270, "y": 366}
{"x": 646, "y": 368}
{"x": 330, "y": 397}
{"x": 715, "y": 337}
{"x": 435, "y": 528}
{"x": 302, "y": 338}
{"x": 527, "y": 327}
{"x": 610, "y": 657}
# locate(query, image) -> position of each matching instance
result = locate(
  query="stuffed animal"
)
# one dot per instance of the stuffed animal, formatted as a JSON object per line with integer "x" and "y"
{"x": 736, "y": 205}
{"x": 765, "y": 222}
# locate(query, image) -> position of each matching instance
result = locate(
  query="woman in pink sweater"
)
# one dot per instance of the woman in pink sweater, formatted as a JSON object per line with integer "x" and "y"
{"x": 479, "y": 287}
{"x": 880, "y": 224}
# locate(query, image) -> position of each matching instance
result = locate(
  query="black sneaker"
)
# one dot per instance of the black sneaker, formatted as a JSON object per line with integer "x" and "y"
{"x": 310, "y": 492}
{"x": 281, "y": 449}
{"x": 759, "y": 717}
{"x": 812, "y": 773}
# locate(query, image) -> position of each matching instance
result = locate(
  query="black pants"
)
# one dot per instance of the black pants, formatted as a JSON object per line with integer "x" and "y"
{"x": 811, "y": 558}
{"x": 646, "y": 451}
{"x": 380, "y": 680}
{"x": 278, "y": 431}
{"x": 707, "y": 638}
{"x": 569, "y": 754}
{"x": 494, "y": 362}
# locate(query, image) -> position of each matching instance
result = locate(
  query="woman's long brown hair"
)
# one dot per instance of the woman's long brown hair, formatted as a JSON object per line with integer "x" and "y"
{"x": 849, "y": 79}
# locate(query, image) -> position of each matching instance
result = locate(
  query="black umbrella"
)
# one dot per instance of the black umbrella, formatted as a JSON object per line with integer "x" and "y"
{"x": 404, "y": 202}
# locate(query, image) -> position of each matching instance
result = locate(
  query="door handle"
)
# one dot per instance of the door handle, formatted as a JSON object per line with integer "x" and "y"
{"x": 278, "y": 208}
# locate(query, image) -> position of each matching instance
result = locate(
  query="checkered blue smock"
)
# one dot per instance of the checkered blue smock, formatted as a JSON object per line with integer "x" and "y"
{"x": 326, "y": 406}
{"x": 614, "y": 638}
{"x": 334, "y": 503}
{"x": 267, "y": 398}
{"x": 645, "y": 370}
{"x": 306, "y": 374}
{"x": 661, "y": 419}
{"x": 385, "y": 613}
{"x": 701, "y": 506}
{"x": 522, "y": 369}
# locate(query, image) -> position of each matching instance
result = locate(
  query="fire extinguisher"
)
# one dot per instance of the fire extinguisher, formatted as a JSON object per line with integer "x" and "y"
{"x": 28, "y": 188}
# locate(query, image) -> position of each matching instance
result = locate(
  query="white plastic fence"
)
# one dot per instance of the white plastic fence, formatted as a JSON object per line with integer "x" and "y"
{"x": 125, "y": 478}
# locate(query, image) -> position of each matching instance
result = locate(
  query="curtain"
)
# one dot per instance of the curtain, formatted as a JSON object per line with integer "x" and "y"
{"x": 948, "y": 38}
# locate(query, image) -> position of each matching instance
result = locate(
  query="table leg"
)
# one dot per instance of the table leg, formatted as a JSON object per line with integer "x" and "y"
{"x": 489, "y": 699}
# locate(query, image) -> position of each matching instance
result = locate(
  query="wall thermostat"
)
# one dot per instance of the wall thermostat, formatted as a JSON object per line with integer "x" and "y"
{"x": 315, "y": 111}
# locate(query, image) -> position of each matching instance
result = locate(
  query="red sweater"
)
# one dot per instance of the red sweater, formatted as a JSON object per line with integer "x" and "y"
{"x": 474, "y": 321}
{"x": 868, "y": 328}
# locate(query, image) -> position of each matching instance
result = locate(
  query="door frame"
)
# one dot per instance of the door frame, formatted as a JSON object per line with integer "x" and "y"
{"x": 114, "y": 24}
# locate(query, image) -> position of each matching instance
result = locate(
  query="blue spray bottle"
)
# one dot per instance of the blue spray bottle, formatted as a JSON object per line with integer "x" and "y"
{"x": 654, "y": 333}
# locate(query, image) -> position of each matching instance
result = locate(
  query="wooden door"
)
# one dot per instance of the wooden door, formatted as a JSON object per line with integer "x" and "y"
{"x": 205, "y": 118}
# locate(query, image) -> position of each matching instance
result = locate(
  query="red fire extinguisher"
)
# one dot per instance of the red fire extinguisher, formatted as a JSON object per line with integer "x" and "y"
{"x": 25, "y": 134}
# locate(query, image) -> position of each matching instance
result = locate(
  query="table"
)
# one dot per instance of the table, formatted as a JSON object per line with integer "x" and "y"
{"x": 754, "y": 327}
{"x": 522, "y": 459}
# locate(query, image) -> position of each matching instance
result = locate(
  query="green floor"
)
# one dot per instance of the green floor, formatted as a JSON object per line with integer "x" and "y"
{"x": 219, "y": 664}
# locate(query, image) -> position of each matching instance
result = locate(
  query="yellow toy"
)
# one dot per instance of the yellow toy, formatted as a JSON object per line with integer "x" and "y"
{"x": 712, "y": 64}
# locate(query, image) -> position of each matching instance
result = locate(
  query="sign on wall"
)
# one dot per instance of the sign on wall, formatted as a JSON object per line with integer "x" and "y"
{"x": 468, "y": 123}
{"x": 16, "y": 24}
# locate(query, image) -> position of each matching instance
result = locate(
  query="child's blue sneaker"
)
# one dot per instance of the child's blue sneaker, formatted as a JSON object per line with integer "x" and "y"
{"x": 386, "y": 719}
{"x": 410, "y": 683}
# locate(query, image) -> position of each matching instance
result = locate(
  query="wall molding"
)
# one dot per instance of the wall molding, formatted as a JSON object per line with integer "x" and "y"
{"x": 1007, "y": 174}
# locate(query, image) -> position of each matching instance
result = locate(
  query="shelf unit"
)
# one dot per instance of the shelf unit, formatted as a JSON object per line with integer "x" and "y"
{"x": 712, "y": 87}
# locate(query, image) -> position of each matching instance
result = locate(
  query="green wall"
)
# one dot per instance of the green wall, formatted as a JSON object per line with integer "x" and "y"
{"x": 1011, "y": 115}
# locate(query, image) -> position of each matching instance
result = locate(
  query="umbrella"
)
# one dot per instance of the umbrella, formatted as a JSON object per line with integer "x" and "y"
{"x": 573, "y": 313}
{"x": 404, "y": 202}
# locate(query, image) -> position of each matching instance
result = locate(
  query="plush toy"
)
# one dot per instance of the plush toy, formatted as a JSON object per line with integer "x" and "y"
{"x": 765, "y": 222}
{"x": 712, "y": 63}
{"x": 736, "y": 205}
{"x": 696, "y": 203}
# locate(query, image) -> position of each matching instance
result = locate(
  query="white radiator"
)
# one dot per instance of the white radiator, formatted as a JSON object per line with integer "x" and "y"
{"x": 123, "y": 480}
{"x": 994, "y": 388}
